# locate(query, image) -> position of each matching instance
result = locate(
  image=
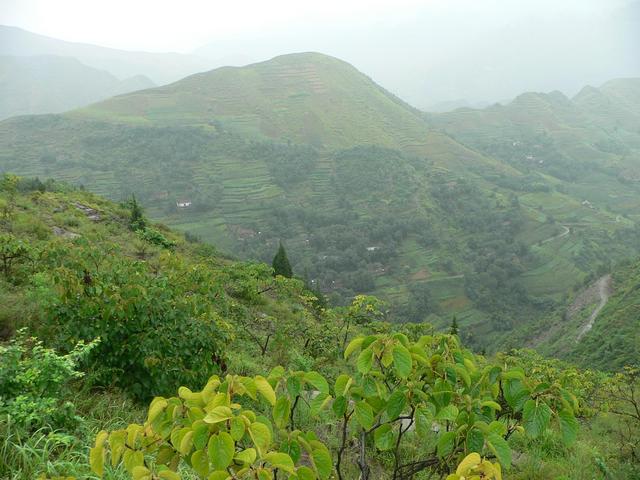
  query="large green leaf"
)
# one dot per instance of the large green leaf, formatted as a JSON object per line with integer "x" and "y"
{"x": 353, "y": 345}
{"x": 294, "y": 386}
{"x": 515, "y": 393}
{"x": 402, "y": 361}
{"x": 305, "y": 473}
{"x": 318, "y": 381}
{"x": 449, "y": 413}
{"x": 200, "y": 463}
{"x": 365, "y": 361}
{"x": 319, "y": 403}
{"x": 339, "y": 406}
{"x": 247, "y": 456}
{"x": 423, "y": 418}
{"x": 322, "y": 460}
{"x": 535, "y": 417}
{"x": 265, "y": 389}
{"x": 280, "y": 460}
{"x": 396, "y": 404}
{"x": 383, "y": 437}
{"x": 475, "y": 440}
{"x": 568, "y": 426}
{"x": 343, "y": 382}
{"x": 221, "y": 450}
{"x": 364, "y": 414}
{"x": 218, "y": 414}
{"x": 96, "y": 460}
{"x": 500, "y": 448}
{"x": 238, "y": 428}
{"x": 281, "y": 412}
{"x": 261, "y": 436}
{"x": 446, "y": 443}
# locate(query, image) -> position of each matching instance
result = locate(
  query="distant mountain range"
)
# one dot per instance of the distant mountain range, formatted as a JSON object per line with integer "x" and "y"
{"x": 39, "y": 74}
{"x": 51, "y": 84}
{"x": 161, "y": 68}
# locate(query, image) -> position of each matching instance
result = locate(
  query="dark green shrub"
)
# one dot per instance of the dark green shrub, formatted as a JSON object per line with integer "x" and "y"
{"x": 158, "y": 329}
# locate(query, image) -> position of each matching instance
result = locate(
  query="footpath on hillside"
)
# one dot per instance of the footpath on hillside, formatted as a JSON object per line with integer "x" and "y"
{"x": 603, "y": 288}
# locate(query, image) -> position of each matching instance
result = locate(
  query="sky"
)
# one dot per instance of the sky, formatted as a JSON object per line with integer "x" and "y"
{"x": 426, "y": 51}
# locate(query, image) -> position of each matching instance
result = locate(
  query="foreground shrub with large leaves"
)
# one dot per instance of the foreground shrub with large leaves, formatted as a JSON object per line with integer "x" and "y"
{"x": 405, "y": 407}
{"x": 215, "y": 435}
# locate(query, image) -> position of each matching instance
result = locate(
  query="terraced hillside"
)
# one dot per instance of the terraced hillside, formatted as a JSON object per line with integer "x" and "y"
{"x": 366, "y": 194}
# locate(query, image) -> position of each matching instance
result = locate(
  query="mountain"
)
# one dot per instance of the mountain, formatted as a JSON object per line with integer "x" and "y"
{"x": 161, "y": 68}
{"x": 439, "y": 214}
{"x": 51, "y": 84}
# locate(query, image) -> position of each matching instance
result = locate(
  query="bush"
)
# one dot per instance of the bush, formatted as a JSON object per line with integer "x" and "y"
{"x": 34, "y": 383}
{"x": 158, "y": 329}
{"x": 155, "y": 237}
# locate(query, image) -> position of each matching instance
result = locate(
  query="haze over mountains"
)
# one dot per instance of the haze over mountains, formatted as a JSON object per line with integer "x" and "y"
{"x": 456, "y": 50}
{"x": 453, "y": 51}
{"x": 161, "y": 68}
{"x": 39, "y": 74}
{"x": 52, "y": 84}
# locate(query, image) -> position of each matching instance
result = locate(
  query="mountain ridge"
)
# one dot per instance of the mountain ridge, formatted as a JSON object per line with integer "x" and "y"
{"x": 159, "y": 67}
{"x": 54, "y": 84}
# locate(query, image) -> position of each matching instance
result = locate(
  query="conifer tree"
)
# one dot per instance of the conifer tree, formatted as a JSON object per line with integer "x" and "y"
{"x": 454, "y": 326}
{"x": 136, "y": 221}
{"x": 281, "y": 265}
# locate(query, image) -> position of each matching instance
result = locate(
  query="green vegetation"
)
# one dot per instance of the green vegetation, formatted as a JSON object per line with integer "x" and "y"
{"x": 263, "y": 387}
{"x": 491, "y": 215}
{"x": 280, "y": 264}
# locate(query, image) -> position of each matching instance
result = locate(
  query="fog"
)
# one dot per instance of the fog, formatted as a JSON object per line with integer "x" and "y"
{"x": 435, "y": 54}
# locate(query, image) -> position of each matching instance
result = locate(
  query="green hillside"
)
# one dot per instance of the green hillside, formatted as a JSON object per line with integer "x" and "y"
{"x": 598, "y": 328}
{"x": 366, "y": 194}
{"x": 105, "y": 311}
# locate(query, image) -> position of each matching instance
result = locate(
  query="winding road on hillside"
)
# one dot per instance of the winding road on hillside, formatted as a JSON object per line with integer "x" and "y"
{"x": 604, "y": 285}
{"x": 560, "y": 235}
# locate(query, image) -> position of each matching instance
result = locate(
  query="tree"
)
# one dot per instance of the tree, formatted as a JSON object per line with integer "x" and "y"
{"x": 281, "y": 265}
{"x": 454, "y": 326}
{"x": 137, "y": 221}
{"x": 11, "y": 250}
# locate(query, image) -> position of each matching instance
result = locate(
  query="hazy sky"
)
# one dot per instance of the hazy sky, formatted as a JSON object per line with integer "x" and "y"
{"x": 423, "y": 50}
{"x": 167, "y": 25}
